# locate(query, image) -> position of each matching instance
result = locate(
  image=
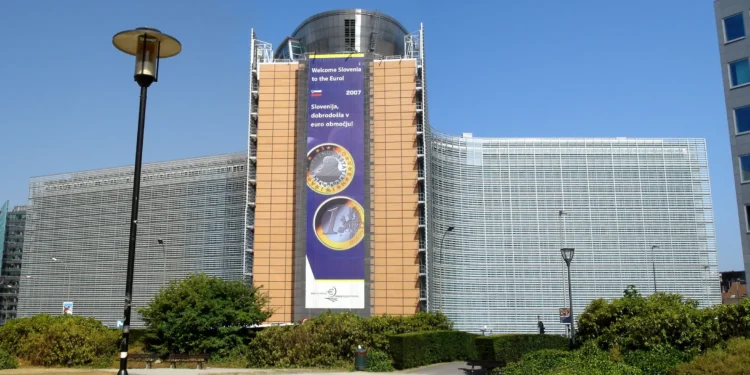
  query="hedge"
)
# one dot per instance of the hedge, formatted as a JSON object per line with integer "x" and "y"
{"x": 59, "y": 341}
{"x": 330, "y": 340}
{"x": 424, "y": 348}
{"x": 7, "y": 360}
{"x": 510, "y": 348}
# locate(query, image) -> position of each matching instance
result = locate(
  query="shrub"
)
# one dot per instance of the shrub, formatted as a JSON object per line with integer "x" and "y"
{"x": 733, "y": 320}
{"x": 379, "y": 361}
{"x": 510, "y": 348}
{"x": 538, "y": 362}
{"x": 424, "y": 348}
{"x": 589, "y": 360}
{"x": 202, "y": 314}
{"x": 58, "y": 341}
{"x": 638, "y": 323}
{"x": 7, "y": 360}
{"x": 730, "y": 359}
{"x": 330, "y": 340}
{"x": 657, "y": 361}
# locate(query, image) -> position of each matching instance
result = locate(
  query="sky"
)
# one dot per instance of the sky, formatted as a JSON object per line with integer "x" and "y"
{"x": 550, "y": 68}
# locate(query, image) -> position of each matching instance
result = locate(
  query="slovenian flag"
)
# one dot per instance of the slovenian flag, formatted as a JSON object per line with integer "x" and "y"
{"x": 316, "y": 92}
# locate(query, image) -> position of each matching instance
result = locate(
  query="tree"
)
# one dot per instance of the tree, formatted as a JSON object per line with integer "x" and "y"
{"x": 638, "y": 323}
{"x": 203, "y": 314}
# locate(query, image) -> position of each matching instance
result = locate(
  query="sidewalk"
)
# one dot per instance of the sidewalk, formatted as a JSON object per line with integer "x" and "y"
{"x": 439, "y": 369}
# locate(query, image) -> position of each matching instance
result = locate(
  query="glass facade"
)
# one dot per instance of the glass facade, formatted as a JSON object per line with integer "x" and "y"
{"x": 501, "y": 266}
{"x": 739, "y": 72}
{"x": 734, "y": 27}
{"x": 742, "y": 119}
{"x": 3, "y": 217}
{"x": 196, "y": 206}
{"x": 12, "y": 224}
{"x": 745, "y": 168}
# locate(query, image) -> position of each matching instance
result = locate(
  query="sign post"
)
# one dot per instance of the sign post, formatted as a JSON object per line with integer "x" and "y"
{"x": 565, "y": 317}
{"x": 67, "y": 308}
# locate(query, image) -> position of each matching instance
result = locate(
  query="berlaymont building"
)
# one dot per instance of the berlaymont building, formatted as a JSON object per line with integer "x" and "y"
{"x": 348, "y": 199}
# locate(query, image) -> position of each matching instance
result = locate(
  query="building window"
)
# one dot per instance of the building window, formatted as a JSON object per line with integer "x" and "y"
{"x": 734, "y": 28}
{"x": 747, "y": 218}
{"x": 349, "y": 33}
{"x": 739, "y": 72}
{"x": 742, "y": 119}
{"x": 744, "y": 168}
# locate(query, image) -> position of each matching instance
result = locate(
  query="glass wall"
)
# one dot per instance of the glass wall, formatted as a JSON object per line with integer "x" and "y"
{"x": 501, "y": 266}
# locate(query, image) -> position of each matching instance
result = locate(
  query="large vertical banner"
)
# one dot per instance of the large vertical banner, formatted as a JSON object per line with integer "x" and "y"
{"x": 335, "y": 269}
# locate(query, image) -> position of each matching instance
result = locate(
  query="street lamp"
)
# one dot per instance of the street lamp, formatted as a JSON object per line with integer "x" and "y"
{"x": 66, "y": 270}
{"x": 567, "y": 254}
{"x": 148, "y": 46}
{"x": 440, "y": 257}
{"x": 164, "y": 262}
{"x": 653, "y": 264}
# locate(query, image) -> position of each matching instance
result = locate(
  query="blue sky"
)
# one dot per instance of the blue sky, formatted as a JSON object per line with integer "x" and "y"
{"x": 579, "y": 68}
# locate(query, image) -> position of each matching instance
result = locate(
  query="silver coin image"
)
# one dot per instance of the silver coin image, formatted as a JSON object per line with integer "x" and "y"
{"x": 328, "y": 168}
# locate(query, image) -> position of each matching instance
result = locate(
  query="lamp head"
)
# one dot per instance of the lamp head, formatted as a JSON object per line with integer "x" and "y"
{"x": 148, "y": 46}
{"x": 54, "y": 259}
{"x": 160, "y": 241}
{"x": 450, "y": 229}
{"x": 567, "y": 254}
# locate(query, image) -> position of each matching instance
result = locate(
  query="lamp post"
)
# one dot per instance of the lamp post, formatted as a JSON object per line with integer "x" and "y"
{"x": 440, "y": 257}
{"x": 567, "y": 254}
{"x": 67, "y": 270}
{"x": 148, "y": 46}
{"x": 164, "y": 263}
{"x": 653, "y": 264}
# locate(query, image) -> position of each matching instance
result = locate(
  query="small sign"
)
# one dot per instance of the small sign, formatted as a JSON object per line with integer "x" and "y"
{"x": 565, "y": 317}
{"x": 68, "y": 308}
{"x": 120, "y": 323}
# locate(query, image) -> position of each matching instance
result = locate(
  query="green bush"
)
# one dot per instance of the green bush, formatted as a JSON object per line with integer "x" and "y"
{"x": 733, "y": 358}
{"x": 379, "y": 361}
{"x": 424, "y": 348}
{"x": 330, "y": 340}
{"x": 733, "y": 320}
{"x": 7, "y": 360}
{"x": 510, "y": 348}
{"x": 203, "y": 314}
{"x": 657, "y": 361}
{"x": 638, "y": 323}
{"x": 58, "y": 341}
{"x": 539, "y": 362}
{"x": 589, "y": 360}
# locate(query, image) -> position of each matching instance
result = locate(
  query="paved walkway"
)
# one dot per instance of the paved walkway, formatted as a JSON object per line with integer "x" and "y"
{"x": 439, "y": 369}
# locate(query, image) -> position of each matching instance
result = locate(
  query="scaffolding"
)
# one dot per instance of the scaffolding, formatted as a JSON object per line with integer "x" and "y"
{"x": 260, "y": 52}
{"x": 414, "y": 48}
